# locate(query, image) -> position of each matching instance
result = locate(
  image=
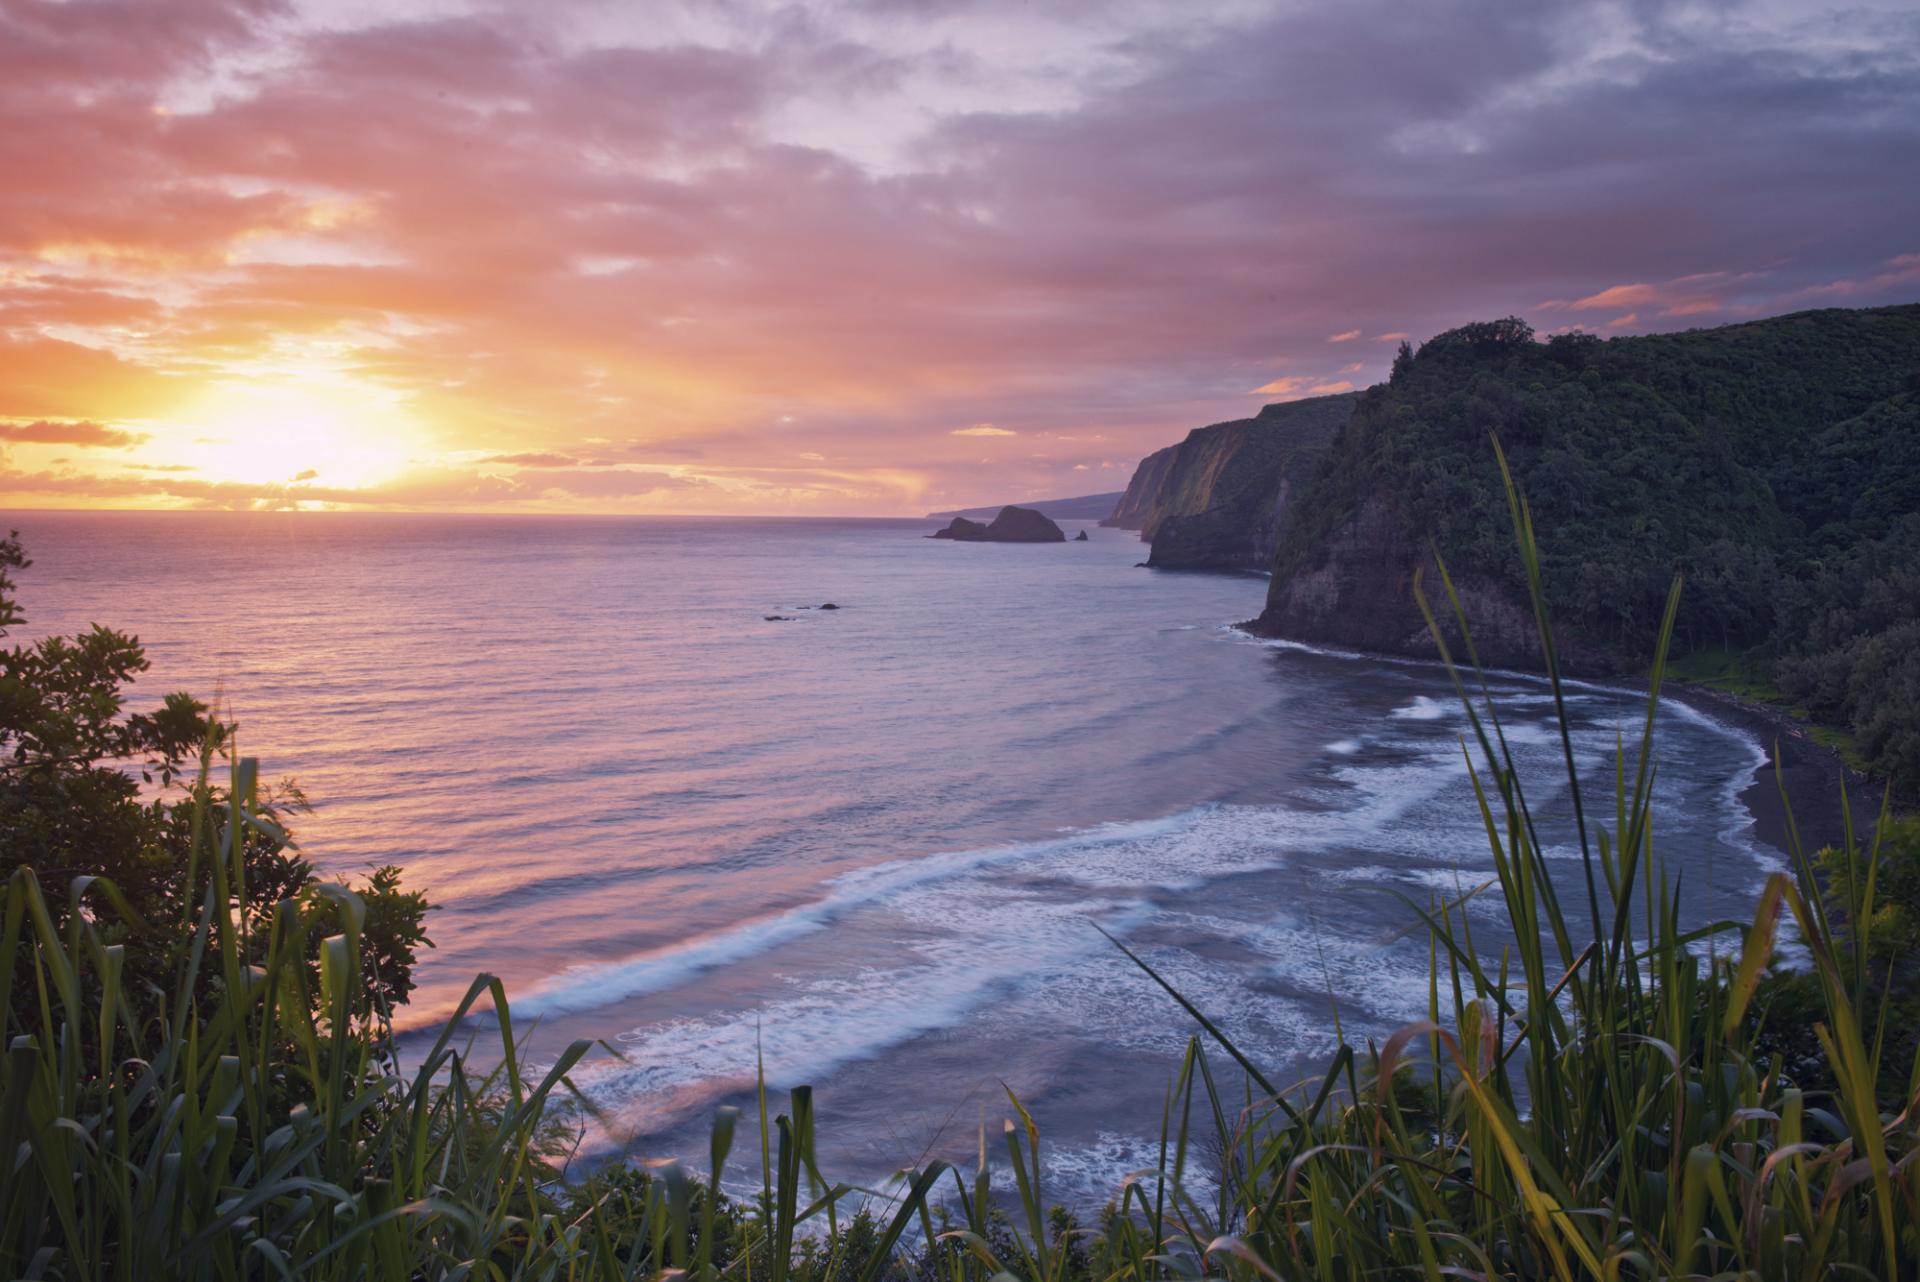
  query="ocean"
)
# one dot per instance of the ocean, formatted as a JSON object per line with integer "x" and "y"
{"x": 865, "y": 847}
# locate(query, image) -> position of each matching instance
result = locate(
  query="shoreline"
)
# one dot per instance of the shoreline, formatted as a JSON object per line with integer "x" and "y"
{"x": 1809, "y": 774}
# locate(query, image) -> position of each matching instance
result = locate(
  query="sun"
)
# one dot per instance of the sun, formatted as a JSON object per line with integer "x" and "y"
{"x": 294, "y": 433}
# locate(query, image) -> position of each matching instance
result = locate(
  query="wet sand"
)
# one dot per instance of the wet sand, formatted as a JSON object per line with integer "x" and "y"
{"x": 1808, "y": 773}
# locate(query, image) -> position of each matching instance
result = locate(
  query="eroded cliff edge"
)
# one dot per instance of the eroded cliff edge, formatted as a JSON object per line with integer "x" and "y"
{"x": 1232, "y": 488}
{"x": 1221, "y": 497}
{"x": 1148, "y": 477}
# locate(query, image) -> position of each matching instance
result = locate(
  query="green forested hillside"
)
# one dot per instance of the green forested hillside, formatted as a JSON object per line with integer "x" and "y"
{"x": 1776, "y": 464}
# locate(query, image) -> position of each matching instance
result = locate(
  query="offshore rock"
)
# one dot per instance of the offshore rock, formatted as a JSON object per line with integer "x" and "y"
{"x": 1013, "y": 525}
{"x": 962, "y": 529}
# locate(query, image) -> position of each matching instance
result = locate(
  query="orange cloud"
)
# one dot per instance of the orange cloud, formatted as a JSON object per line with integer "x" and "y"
{"x": 81, "y": 432}
{"x": 499, "y": 256}
{"x": 1294, "y": 386}
{"x": 1617, "y": 296}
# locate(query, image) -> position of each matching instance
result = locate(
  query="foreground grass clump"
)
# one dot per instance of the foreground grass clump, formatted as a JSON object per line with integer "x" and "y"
{"x": 1632, "y": 1098}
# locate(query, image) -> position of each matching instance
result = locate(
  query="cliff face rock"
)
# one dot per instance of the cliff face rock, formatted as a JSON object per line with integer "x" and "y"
{"x": 1013, "y": 525}
{"x": 1358, "y": 594}
{"x": 1142, "y": 490}
{"x": 1229, "y": 490}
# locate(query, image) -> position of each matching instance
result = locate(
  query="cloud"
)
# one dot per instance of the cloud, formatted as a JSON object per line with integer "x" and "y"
{"x": 1352, "y": 368}
{"x": 837, "y": 233}
{"x": 81, "y": 432}
{"x": 1898, "y": 271}
{"x": 443, "y": 488}
{"x": 1616, "y": 296}
{"x": 1294, "y": 386}
{"x": 982, "y": 429}
{"x": 534, "y": 458}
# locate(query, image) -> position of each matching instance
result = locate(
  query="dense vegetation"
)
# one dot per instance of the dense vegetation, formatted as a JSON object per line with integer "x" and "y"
{"x": 1648, "y": 1101}
{"x": 1776, "y": 464}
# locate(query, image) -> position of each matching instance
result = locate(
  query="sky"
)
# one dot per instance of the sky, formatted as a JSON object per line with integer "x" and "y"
{"x": 877, "y": 257}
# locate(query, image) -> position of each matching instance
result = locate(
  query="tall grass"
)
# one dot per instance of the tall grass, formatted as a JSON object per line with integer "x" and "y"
{"x": 1590, "y": 1104}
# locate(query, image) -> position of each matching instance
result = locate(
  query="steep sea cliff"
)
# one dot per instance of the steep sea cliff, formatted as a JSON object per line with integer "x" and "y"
{"x": 1773, "y": 466}
{"x": 1221, "y": 498}
{"x": 1142, "y": 491}
{"x": 1751, "y": 459}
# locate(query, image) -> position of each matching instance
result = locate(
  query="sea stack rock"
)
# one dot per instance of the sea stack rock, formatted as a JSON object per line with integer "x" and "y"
{"x": 1080, "y": 537}
{"x": 1024, "y": 525}
{"x": 1013, "y": 525}
{"x": 962, "y": 529}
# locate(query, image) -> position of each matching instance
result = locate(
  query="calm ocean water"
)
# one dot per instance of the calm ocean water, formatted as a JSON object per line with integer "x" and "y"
{"x": 869, "y": 844}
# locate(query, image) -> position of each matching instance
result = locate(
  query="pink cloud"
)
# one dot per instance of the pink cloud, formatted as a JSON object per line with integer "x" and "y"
{"x": 533, "y": 234}
{"x": 1295, "y": 386}
{"x": 1615, "y": 297}
{"x": 1901, "y": 269}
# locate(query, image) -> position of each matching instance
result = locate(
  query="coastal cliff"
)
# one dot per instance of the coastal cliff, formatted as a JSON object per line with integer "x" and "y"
{"x": 1221, "y": 497}
{"x": 1148, "y": 477}
{"x": 1231, "y": 488}
{"x": 1742, "y": 457}
{"x": 1774, "y": 465}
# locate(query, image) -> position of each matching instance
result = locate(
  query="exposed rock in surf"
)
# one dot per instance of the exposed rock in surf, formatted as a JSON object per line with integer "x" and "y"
{"x": 1080, "y": 537}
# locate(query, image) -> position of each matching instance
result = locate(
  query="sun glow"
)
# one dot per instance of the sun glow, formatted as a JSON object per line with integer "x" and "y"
{"x": 296, "y": 433}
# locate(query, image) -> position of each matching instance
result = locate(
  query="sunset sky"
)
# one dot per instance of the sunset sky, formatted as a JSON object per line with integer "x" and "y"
{"x": 879, "y": 257}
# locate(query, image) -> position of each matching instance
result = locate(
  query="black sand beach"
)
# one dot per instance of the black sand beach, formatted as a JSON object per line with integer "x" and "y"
{"x": 1808, "y": 780}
